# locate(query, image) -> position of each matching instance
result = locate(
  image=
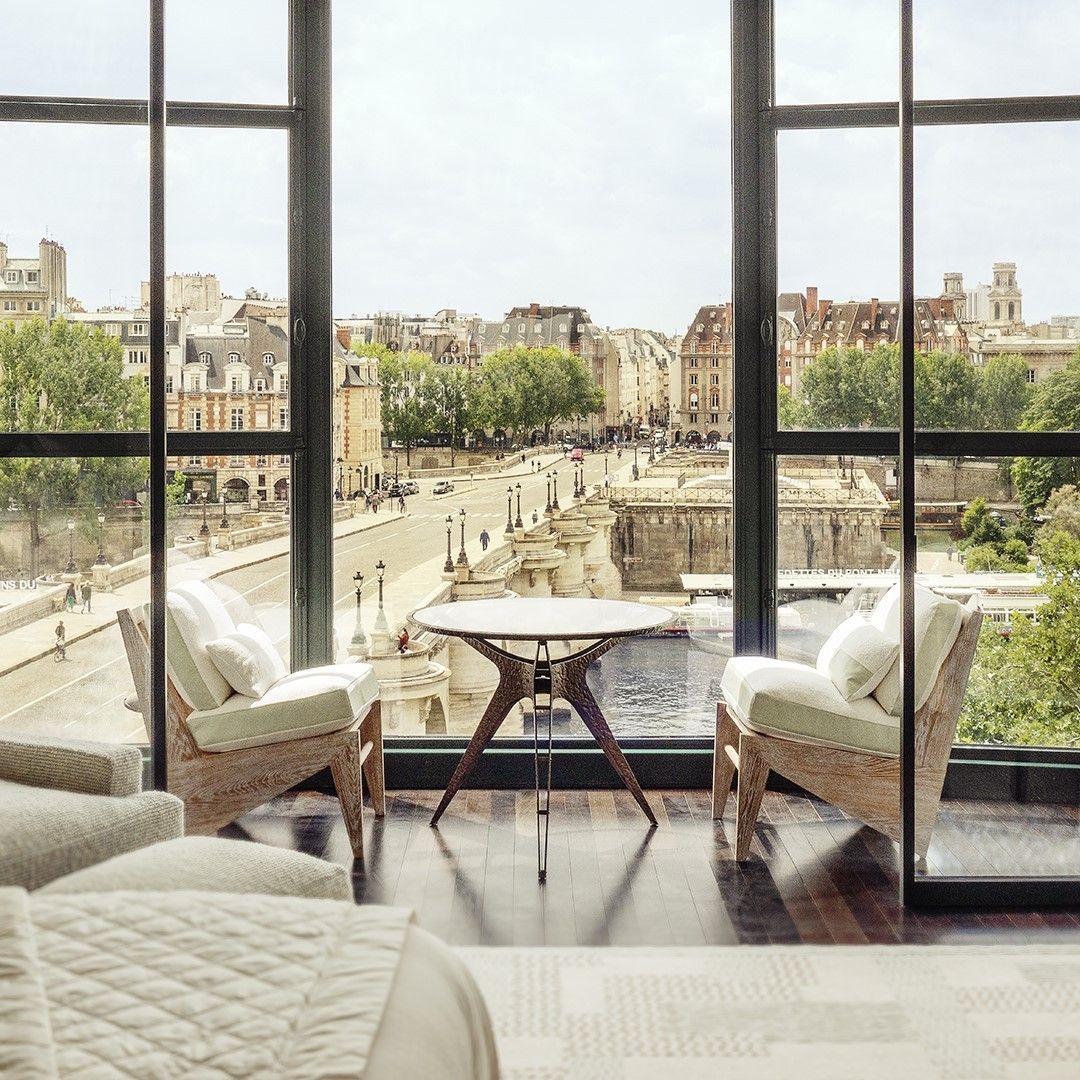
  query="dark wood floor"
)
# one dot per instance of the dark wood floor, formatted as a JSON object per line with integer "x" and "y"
{"x": 815, "y": 875}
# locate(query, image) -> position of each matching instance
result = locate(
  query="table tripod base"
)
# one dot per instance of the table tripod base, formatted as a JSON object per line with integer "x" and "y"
{"x": 542, "y": 706}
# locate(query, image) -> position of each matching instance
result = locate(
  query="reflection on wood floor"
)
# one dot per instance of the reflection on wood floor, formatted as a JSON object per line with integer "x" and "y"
{"x": 814, "y": 875}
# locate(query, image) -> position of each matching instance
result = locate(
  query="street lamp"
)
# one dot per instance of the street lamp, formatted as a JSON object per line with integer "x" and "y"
{"x": 554, "y": 489}
{"x": 224, "y": 513}
{"x": 395, "y": 466}
{"x": 462, "y": 559}
{"x": 518, "y": 523}
{"x": 359, "y": 641}
{"x": 547, "y": 508}
{"x": 100, "y": 560}
{"x": 204, "y": 530}
{"x": 509, "y": 530}
{"x": 380, "y": 568}
{"x": 340, "y": 478}
{"x": 71, "y": 567}
{"x": 448, "y": 566}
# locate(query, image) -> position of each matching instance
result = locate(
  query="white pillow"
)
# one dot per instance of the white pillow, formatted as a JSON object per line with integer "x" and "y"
{"x": 247, "y": 659}
{"x": 198, "y": 615}
{"x": 856, "y": 657}
{"x": 938, "y": 621}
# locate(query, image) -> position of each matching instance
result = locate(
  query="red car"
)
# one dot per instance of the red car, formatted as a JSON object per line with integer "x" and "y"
{"x": 577, "y": 454}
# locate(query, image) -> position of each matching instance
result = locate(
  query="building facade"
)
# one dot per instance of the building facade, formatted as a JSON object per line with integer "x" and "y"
{"x": 645, "y": 358}
{"x": 357, "y": 419}
{"x": 701, "y": 397}
{"x": 33, "y": 288}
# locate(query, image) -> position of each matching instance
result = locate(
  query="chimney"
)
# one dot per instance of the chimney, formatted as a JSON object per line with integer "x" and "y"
{"x": 534, "y": 310}
{"x": 823, "y": 310}
{"x": 343, "y": 336}
{"x": 811, "y": 300}
{"x": 873, "y": 312}
{"x": 3, "y": 255}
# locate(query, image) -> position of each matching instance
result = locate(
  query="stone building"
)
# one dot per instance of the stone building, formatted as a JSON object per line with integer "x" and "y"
{"x": 133, "y": 330}
{"x": 447, "y": 337}
{"x": 830, "y": 517}
{"x": 36, "y": 287}
{"x": 357, "y": 419}
{"x": 701, "y": 395}
{"x": 645, "y": 357}
{"x": 198, "y": 295}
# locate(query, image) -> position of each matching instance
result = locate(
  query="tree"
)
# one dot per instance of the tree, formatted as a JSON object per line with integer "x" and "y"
{"x": 945, "y": 391}
{"x": 847, "y": 387}
{"x": 788, "y": 409}
{"x": 405, "y": 393}
{"x": 979, "y": 525}
{"x": 66, "y": 377}
{"x": 1003, "y": 393}
{"x": 452, "y": 393}
{"x": 1055, "y": 406}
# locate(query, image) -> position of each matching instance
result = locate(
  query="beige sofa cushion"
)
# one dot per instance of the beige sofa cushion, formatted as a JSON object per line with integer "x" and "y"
{"x": 315, "y": 701}
{"x": 778, "y": 697}
{"x": 48, "y": 832}
{"x": 194, "y": 616}
{"x": 211, "y": 864}
{"x": 856, "y": 657}
{"x": 938, "y": 621}
{"x": 248, "y": 660}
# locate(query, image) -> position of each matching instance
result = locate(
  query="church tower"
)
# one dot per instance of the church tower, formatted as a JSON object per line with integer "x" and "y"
{"x": 1005, "y": 297}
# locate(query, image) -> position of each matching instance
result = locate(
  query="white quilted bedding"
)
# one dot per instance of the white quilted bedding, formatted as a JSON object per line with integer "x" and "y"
{"x": 200, "y": 985}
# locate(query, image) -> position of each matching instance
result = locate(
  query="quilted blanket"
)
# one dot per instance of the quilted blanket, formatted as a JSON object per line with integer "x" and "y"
{"x": 206, "y": 985}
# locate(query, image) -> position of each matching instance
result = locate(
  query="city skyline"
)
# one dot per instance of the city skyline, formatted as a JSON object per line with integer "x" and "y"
{"x": 483, "y": 163}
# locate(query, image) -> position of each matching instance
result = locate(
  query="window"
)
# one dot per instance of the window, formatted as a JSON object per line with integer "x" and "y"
{"x": 168, "y": 384}
{"x": 236, "y": 419}
{"x": 10, "y": 305}
{"x": 33, "y": 305}
{"x": 1031, "y": 375}
{"x": 195, "y": 419}
{"x": 11, "y": 276}
{"x": 260, "y": 386}
{"x": 236, "y": 383}
{"x": 32, "y": 277}
{"x": 205, "y": 357}
{"x": 283, "y": 384}
{"x": 234, "y": 358}
{"x": 138, "y": 356}
{"x": 138, "y": 329}
{"x": 283, "y": 418}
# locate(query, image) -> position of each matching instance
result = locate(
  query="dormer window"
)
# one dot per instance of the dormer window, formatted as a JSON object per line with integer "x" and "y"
{"x": 268, "y": 359}
{"x": 260, "y": 386}
{"x": 234, "y": 358}
{"x": 204, "y": 357}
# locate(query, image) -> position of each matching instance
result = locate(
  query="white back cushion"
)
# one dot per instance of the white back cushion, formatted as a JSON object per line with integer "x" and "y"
{"x": 938, "y": 621}
{"x": 197, "y": 615}
{"x": 247, "y": 659}
{"x": 856, "y": 657}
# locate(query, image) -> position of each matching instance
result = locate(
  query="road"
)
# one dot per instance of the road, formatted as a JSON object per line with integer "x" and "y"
{"x": 84, "y": 696}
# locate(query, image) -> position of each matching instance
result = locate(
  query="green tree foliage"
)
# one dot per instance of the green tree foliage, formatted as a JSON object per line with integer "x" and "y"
{"x": 405, "y": 389}
{"x": 66, "y": 377}
{"x": 524, "y": 389}
{"x": 788, "y": 409}
{"x": 987, "y": 544}
{"x": 846, "y": 387}
{"x": 452, "y": 392}
{"x": 1055, "y": 406}
{"x": 1003, "y": 393}
{"x": 946, "y": 389}
{"x": 979, "y": 525}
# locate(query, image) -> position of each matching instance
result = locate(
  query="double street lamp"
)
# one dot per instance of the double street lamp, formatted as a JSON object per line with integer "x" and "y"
{"x": 547, "y": 508}
{"x": 509, "y": 530}
{"x": 448, "y": 566}
{"x": 518, "y": 523}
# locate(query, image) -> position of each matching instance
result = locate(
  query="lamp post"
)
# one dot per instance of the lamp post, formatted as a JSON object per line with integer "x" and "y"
{"x": 547, "y": 508}
{"x": 359, "y": 640}
{"x": 448, "y": 566}
{"x": 462, "y": 559}
{"x": 395, "y": 466}
{"x": 555, "y": 489}
{"x": 340, "y": 478}
{"x": 100, "y": 560}
{"x": 204, "y": 529}
{"x": 380, "y": 569}
{"x": 509, "y": 530}
{"x": 71, "y": 567}
{"x": 224, "y": 513}
{"x": 518, "y": 523}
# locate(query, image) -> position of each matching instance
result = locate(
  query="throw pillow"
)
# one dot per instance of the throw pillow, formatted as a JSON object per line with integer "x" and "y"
{"x": 247, "y": 659}
{"x": 856, "y": 657}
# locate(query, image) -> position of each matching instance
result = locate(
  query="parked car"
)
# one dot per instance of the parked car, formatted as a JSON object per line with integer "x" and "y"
{"x": 577, "y": 454}
{"x": 410, "y": 487}
{"x": 443, "y": 487}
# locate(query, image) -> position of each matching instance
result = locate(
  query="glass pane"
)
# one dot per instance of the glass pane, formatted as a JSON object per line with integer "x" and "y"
{"x": 954, "y": 38}
{"x": 68, "y": 48}
{"x": 229, "y": 527}
{"x": 236, "y": 51}
{"x": 1010, "y": 804}
{"x": 997, "y": 316}
{"x": 825, "y": 55}
{"x": 228, "y": 325}
{"x": 74, "y": 343}
{"x": 450, "y": 333}
{"x": 73, "y": 551}
{"x": 837, "y": 313}
{"x": 837, "y": 545}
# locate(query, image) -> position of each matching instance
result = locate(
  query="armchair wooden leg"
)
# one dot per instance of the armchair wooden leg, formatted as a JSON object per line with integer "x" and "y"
{"x": 346, "y": 769}
{"x": 727, "y": 734}
{"x": 753, "y": 774}
{"x": 371, "y": 731}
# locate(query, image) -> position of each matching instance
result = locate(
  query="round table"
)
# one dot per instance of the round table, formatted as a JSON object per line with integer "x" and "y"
{"x": 543, "y": 678}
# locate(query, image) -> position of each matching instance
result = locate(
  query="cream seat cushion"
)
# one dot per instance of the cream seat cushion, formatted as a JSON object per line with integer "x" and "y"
{"x": 778, "y": 697}
{"x": 938, "y": 621}
{"x": 315, "y": 701}
{"x": 194, "y": 615}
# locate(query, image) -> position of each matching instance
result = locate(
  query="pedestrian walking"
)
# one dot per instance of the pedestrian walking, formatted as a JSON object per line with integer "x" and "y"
{"x": 69, "y": 597}
{"x": 484, "y": 539}
{"x": 401, "y": 504}
{"x": 87, "y": 593}
{"x": 60, "y": 644}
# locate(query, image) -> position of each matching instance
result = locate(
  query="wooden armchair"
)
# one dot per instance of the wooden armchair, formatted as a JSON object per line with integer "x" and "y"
{"x": 219, "y": 785}
{"x": 862, "y": 782}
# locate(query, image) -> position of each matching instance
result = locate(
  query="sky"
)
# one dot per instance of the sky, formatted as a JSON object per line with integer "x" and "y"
{"x": 488, "y": 153}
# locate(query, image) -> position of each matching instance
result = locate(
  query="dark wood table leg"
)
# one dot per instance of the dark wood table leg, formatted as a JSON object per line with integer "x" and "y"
{"x": 571, "y": 686}
{"x": 515, "y": 683}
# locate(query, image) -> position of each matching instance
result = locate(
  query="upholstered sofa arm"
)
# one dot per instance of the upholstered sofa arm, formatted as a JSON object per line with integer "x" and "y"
{"x": 87, "y": 767}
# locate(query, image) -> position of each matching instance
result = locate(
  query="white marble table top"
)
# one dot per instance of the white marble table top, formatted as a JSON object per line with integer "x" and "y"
{"x": 533, "y": 618}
